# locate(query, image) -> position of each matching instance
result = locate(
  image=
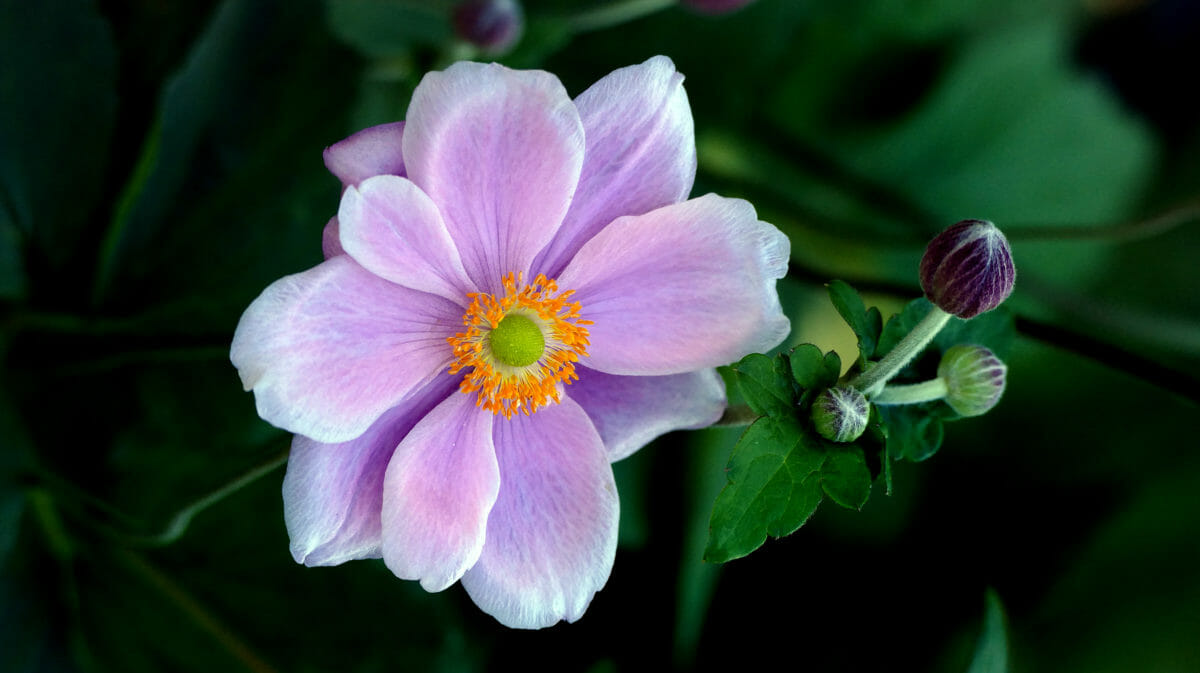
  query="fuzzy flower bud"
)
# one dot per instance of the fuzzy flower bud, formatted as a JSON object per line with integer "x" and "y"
{"x": 840, "y": 414}
{"x": 491, "y": 25}
{"x": 974, "y": 379}
{"x": 715, "y": 6}
{"x": 968, "y": 269}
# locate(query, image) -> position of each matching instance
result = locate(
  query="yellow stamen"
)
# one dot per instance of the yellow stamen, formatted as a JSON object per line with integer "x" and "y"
{"x": 506, "y": 388}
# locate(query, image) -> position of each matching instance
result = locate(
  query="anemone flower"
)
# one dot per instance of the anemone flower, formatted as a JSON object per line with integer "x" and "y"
{"x": 516, "y": 294}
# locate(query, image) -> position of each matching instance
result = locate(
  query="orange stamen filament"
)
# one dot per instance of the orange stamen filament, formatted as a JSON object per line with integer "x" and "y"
{"x": 506, "y": 389}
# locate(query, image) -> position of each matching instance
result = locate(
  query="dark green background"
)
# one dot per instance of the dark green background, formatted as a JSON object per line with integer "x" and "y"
{"x": 160, "y": 164}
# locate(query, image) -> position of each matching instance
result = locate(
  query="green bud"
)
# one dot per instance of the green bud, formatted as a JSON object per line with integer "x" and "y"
{"x": 974, "y": 378}
{"x": 840, "y": 414}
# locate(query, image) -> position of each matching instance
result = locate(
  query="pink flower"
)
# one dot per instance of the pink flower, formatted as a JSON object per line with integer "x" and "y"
{"x": 516, "y": 294}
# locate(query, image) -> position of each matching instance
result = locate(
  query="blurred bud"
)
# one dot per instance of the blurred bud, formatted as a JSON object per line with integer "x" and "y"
{"x": 715, "y": 6}
{"x": 491, "y": 25}
{"x": 840, "y": 414}
{"x": 968, "y": 269}
{"x": 974, "y": 379}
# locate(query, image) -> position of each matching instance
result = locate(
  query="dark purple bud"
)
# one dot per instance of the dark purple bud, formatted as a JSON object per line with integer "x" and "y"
{"x": 974, "y": 379}
{"x": 491, "y": 25}
{"x": 715, "y": 6}
{"x": 968, "y": 269}
{"x": 840, "y": 414}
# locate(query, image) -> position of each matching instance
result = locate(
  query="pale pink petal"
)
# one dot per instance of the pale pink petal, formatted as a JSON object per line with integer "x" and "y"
{"x": 641, "y": 153}
{"x": 372, "y": 151}
{"x": 328, "y": 350}
{"x": 681, "y": 288}
{"x": 388, "y": 225}
{"x": 333, "y": 493}
{"x": 437, "y": 493}
{"x": 552, "y": 534}
{"x": 331, "y": 246}
{"x": 499, "y": 151}
{"x": 630, "y": 411}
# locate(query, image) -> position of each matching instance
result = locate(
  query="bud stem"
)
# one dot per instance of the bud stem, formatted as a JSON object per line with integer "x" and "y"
{"x": 915, "y": 393}
{"x": 872, "y": 380}
{"x": 616, "y": 13}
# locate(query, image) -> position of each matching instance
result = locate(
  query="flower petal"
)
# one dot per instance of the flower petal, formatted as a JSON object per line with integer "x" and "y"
{"x": 333, "y": 493}
{"x": 388, "y": 225}
{"x": 499, "y": 151}
{"x": 630, "y": 411}
{"x": 641, "y": 153}
{"x": 372, "y": 151}
{"x": 331, "y": 246}
{"x": 328, "y": 350}
{"x": 552, "y": 534}
{"x": 437, "y": 493}
{"x": 684, "y": 287}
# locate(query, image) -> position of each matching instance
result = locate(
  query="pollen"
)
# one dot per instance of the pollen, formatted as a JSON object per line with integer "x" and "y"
{"x": 518, "y": 348}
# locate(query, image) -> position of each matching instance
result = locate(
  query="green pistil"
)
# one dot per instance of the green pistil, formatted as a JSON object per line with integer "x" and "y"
{"x": 517, "y": 341}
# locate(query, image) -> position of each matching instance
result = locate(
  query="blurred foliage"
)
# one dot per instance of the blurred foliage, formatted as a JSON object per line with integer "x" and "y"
{"x": 160, "y": 163}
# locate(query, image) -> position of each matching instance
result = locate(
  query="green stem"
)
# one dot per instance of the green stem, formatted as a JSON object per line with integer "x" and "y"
{"x": 1126, "y": 231}
{"x": 870, "y": 381}
{"x": 178, "y": 524}
{"x": 615, "y": 14}
{"x": 913, "y": 393}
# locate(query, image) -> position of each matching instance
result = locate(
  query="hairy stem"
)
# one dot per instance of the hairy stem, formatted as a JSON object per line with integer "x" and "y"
{"x": 870, "y": 381}
{"x": 913, "y": 393}
{"x": 178, "y": 524}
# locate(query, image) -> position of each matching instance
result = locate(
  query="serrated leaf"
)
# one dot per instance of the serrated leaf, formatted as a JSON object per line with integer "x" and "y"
{"x": 808, "y": 366}
{"x": 845, "y": 477}
{"x": 831, "y": 369}
{"x": 914, "y": 432}
{"x": 766, "y": 383}
{"x": 774, "y": 487}
{"x": 778, "y": 473}
{"x": 865, "y": 324}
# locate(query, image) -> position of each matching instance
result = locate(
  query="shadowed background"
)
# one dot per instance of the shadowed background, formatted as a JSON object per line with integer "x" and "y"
{"x": 160, "y": 164}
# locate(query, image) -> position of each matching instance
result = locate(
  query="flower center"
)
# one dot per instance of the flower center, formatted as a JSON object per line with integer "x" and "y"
{"x": 517, "y": 341}
{"x": 519, "y": 347}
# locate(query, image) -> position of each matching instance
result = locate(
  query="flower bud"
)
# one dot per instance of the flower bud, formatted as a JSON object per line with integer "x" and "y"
{"x": 840, "y": 414}
{"x": 968, "y": 269}
{"x": 974, "y": 379}
{"x": 715, "y": 6}
{"x": 491, "y": 25}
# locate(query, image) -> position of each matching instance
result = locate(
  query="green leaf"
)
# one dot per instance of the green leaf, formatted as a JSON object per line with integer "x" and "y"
{"x": 865, "y": 324}
{"x": 774, "y": 487}
{"x": 914, "y": 432}
{"x": 991, "y": 650}
{"x": 193, "y": 97}
{"x": 387, "y": 28}
{"x": 766, "y": 384}
{"x": 845, "y": 477}
{"x": 778, "y": 473}
{"x": 812, "y": 370}
{"x": 57, "y": 109}
{"x": 994, "y": 329}
{"x": 831, "y": 369}
{"x": 808, "y": 366}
